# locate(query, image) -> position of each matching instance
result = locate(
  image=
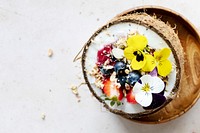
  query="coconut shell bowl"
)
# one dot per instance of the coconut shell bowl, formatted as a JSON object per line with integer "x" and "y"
{"x": 144, "y": 64}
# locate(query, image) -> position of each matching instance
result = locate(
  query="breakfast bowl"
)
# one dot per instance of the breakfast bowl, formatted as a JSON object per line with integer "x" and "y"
{"x": 137, "y": 66}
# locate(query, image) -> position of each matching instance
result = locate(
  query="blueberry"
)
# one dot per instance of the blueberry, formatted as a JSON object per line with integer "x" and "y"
{"x": 106, "y": 72}
{"x": 113, "y": 59}
{"x": 120, "y": 68}
{"x": 122, "y": 80}
{"x": 133, "y": 77}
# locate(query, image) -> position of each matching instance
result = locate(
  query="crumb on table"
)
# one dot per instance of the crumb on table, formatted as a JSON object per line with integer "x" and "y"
{"x": 50, "y": 52}
{"x": 74, "y": 89}
{"x": 43, "y": 116}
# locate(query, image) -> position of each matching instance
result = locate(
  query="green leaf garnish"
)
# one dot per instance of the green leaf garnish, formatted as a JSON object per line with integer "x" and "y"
{"x": 112, "y": 103}
{"x": 114, "y": 100}
{"x": 107, "y": 98}
{"x": 118, "y": 103}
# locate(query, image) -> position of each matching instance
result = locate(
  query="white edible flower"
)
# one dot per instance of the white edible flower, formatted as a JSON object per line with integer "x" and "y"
{"x": 144, "y": 88}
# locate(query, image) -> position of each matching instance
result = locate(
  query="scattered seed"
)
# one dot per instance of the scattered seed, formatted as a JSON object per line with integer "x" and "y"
{"x": 74, "y": 89}
{"x": 127, "y": 86}
{"x": 50, "y": 52}
{"x": 127, "y": 71}
{"x": 43, "y": 116}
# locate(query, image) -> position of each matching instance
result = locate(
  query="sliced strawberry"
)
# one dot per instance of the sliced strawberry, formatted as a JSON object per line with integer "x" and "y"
{"x": 111, "y": 90}
{"x": 131, "y": 97}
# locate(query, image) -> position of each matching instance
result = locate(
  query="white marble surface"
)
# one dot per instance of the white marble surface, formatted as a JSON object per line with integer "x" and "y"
{"x": 33, "y": 85}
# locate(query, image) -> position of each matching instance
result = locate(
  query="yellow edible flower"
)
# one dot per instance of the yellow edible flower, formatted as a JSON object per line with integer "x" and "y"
{"x": 134, "y": 51}
{"x": 160, "y": 60}
{"x": 145, "y": 61}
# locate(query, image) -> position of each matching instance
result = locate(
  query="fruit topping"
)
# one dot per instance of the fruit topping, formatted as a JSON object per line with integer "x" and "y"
{"x": 111, "y": 90}
{"x": 106, "y": 71}
{"x": 131, "y": 97}
{"x": 120, "y": 68}
{"x": 133, "y": 77}
{"x": 122, "y": 80}
{"x": 104, "y": 54}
